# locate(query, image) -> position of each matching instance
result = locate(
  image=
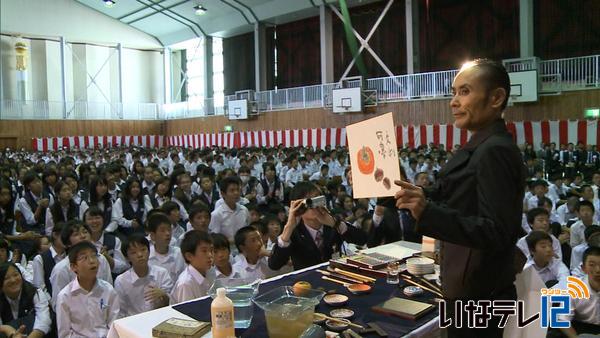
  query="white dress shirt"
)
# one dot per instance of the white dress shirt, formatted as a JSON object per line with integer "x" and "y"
{"x": 563, "y": 214}
{"x": 293, "y": 176}
{"x": 577, "y": 233}
{"x": 50, "y": 219}
{"x": 25, "y": 208}
{"x": 38, "y": 267}
{"x": 219, "y": 275}
{"x": 225, "y": 221}
{"x": 555, "y": 270}
{"x": 584, "y": 310}
{"x": 172, "y": 261}
{"x": 130, "y": 288}
{"x": 62, "y": 275}
{"x": 42, "y": 321}
{"x": 577, "y": 259}
{"x": 260, "y": 270}
{"x": 118, "y": 219}
{"x": 190, "y": 285}
{"x": 80, "y": 313}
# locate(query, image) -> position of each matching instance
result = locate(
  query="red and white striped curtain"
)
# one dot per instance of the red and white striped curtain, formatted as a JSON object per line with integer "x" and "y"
{"x": 533, "y": 132}
{"x": 66, "y": 142}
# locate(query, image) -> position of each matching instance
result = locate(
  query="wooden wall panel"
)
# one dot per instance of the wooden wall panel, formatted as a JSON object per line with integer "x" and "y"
{"x": 569, "y": 105}
{"x": 25, "y": 130}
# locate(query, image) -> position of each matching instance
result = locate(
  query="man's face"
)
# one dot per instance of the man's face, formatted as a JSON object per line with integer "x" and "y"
{"x": 138, "y": 254}
{"x": 586, "y": 214}
{"x": 200, "y": 221}
{"x": 79, "y": 235}
{"x": 95, "y": 222}
{"x": 591, "y": 267}
{"x": 472, "y": 106}
{"x": 543, "y": 251}
{"x": 252, "y": 245}
{"x": 86, "y": 264}
{"x": 148, "y": 175}
{"x": 541, "y": 222}
{"x": 221, "y": 257}
{"x": 232, "y": 194}
{"x": 162, "y": 234}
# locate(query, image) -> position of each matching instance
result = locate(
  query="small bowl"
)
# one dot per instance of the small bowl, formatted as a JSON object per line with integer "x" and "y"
{"x": 337, "y": 325}
{"x": 359, "y": 289}
{"x": 318, "y": 319}
{"x": 342, "y": 313}
{"x": 335, "y": 299}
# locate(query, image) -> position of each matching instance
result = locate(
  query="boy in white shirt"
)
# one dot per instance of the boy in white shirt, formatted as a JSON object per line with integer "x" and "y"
{"x": 222, "y": 258}
{"x": 585, "y": 210}
{"x": 195, "y": 280}
{"x": 171, "y": 209}
{"x": 584, "y": 314}
{"x": 230, "y": 215}
{"x": 161, "y": 253}
{"x": 44, "y": 263}
{"x": 87, "y": 306}
{"x": 592, "y": 238}
{"x": 144, "y": 287}
{"x": 252, "y": 263}
{"x": 538, "y": 219}
{"x": 74, "y": 233}
{"x": 550, "y": 269}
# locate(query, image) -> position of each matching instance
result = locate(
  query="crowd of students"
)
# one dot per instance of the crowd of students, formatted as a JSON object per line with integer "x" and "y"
{"x": 89, "y": 236}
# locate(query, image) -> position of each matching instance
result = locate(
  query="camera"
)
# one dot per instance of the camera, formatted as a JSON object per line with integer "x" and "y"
{"x": 315, "y": 202}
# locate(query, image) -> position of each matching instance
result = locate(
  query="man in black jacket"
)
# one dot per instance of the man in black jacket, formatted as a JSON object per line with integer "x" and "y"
{"x": 312, "y": 239}
{"x": 475, "y": 207}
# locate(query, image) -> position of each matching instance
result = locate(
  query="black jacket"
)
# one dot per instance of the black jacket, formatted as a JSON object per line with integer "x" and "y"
{"x": 475, "y": 209}
{"x": 304, "y": 251}
{"x": 389, "y": 230}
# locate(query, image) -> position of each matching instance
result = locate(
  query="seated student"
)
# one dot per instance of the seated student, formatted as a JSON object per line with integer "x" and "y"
{"x": 207, "y": 193}
{"x": 585, "y": 313}
{"x": 34, "y": 203}
{"x": 161, "y": 253}
{"x": 86, "y": 306}
{"x": 183, "y": 194}
{"x": 199, "y": 218}
{"x": 253, "y": 213}
{"x": 550, "y": 269}
{"x": 171, "y": 209}
{"x": 129, "y": 212}
{"x": 567, "y": 211}
{"x": 21, "y": 303}
{"x": 64, "y": 209}
{"x": 592, "y": 238}
{"x": 252, "y": 262}
{"x": 270, "y": 228}
{"x": 160, "y": 194}
{"x": 143, "y": 287}
{"x": 230, "y": 216}
{"x": 538, "y": 220}
{"x": 107, "y": 244}
{"x": 222, "y": 255}
{"x": 585, "y": 210}
{"x": 539, "y": 188}
{"x": 269, "y": 190}
{"x": 322, "y": 174}
{"x": 194, "y": 281}
{"x": 311, "y": 240}
{"x": 44, "y": 263}
{"x": 72, "y": 234}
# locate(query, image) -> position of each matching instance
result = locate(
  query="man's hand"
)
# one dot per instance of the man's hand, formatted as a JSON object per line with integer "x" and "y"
{"x": 44, "y": 202}
{"x": 294, "y": 212}
{"x": 30, "y": 236}
{"x": 324, "y": 217}
{"x": 135, "y": 224}
{"x": 379, "y": 210}
{"x": 410, "y": 197}
{"x": 154, "y": 295}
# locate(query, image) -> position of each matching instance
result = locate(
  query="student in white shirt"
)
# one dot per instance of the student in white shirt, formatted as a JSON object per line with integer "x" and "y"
{"x": 584, "y": 314}
{"x": 144, "y": 287}
{"x": 592, "y": 238}
{"x": 252, "y": 262}
{"x": 321, "y": 174}
{"x": 44, "y": 263}
{"x": 550, "y": 269}
{"x": 64, "y": 209}
{"x": 171, "y": 209}
{"x": 585, "y": 209}
{"x": 222, "y": 268}
{"x": 72, "y": 234}
{"x": 33, "y": 204}
{"x": 229, "y": 216}
{"x": 160, "y": 195}
{"x": 537, "y": 218}
{"x": 567, "y": 211}
{"x": 88, "y": 305}
{"x": 107, "y": 244}
{"x": 539, "y": 188}
{"x": 129, "y": 212}
{"x": 294, "y": 174}
{"x": 17, "y": 292}
{"x": 199, "y": 218}
{"x": 161, "y": 253}
{"x": 195, "y": 280}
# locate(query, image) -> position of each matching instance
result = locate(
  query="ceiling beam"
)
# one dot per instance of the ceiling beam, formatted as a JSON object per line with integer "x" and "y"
{"x": 249, "y": 10}
{"x": 177, "y": 15}
{"x": 237, "y": 9}
{"x": 135, "y": 11}
{"x": 171, "y": 17}
{"x": 155, "y": 12}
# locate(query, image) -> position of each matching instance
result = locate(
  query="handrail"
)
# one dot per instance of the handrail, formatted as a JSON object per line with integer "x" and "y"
{"x": 556, "y": 75}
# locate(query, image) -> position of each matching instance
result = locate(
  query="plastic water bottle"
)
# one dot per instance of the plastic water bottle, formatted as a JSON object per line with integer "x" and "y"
{"x": 221, "y": 313}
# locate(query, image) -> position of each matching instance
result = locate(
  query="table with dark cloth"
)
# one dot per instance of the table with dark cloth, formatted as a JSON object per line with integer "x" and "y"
{"x": 360, "y": 304}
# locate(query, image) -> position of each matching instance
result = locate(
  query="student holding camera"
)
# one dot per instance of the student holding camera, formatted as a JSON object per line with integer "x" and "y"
{"x": 311, "y": 234}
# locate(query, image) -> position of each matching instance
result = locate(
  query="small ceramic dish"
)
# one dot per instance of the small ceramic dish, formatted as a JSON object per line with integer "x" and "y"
{"x": 342, "y": 313}
{"x": 337, "y": 325}
{"x": 412, "y": 291}
{"x": 359, "y": 289}
{"x": 335, "y": 299}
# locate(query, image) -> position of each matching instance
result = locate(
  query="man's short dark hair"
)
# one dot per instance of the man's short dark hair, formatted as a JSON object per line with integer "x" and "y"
{"x": 302, "y": 189}
{"x": 585, "y": 203}
{"x": 227, "y": 181}
{"x": 493, "y": 75}
{"x": 589, "y": 231}
{"x": 169, "y": 206}
{"x": 241, "y": 234}
{"x": 591, "y": 251}
{"x": 79, "y": 247}
{"x": 220, "y": 241}
{"x": 191, "y": 240}
{"x": 29, "y": 177}
{"x": 69, "y": 228}
{"x": 198, "y": 208}
{"x": 535, "y": 212}
{"x": 135, "y": 238}
{"x": 535, "y": 237}
{"x": 156, "y": 219}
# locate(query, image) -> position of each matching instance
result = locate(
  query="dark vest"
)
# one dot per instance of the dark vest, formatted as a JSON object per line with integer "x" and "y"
{"x": 39, "y": 226}
{"x": 72, "y": 212}
{"x": 110, "y": 241}
{"x": 265, "y": 185}
{"x": 25, "y": 304}
{"x": 49, "y": 264}
{"x": 130, "y": 214}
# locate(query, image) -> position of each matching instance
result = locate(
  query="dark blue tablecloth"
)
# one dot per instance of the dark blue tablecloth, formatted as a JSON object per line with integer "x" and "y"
{"x": 360, "y": 304}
